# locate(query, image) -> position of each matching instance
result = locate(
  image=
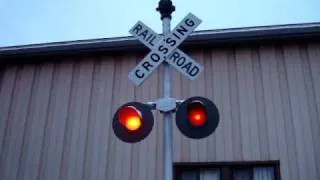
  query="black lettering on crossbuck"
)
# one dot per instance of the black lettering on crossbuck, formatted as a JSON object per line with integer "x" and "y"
{"x": 164, "y": 48}
{"x": 144, "y": 34}
{"x": 139, "y": 74}
{"x": 187, "y": 66}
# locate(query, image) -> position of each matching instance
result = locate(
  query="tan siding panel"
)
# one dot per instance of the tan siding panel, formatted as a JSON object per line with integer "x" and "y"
{"x": 241, "y": 59}
{"x": 225, "y": 111}
{"x": 78, "y": 115}
{"x": 185, "y": 153}
{"x": 114, "y": 105}
{"x": 100, "y": 120}
{"x": 287, "y": 118}
{"x": 296, "y": 90}
{"x": 17, "y": 121}
{"x": 218, "y": 100}
{"x": 252, "y": 113}
{"x": 279, "y": 123}
{"x": 267, "y": 56}
{"x": 37, "y": 118}
{"x": 259, "y": 96}
{"x": 310, "y": 104}
{"x": 52, "y": 146}
{"x": 235, "y": 110}
{"x": 211, "y": 140}
{"x": 6, "y": 92}
{"x": 56, "y": 118}
{"x": 177, "y": 136}
{"x": 313, "y": 52}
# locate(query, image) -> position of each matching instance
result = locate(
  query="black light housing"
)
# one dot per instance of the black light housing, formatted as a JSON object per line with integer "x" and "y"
{"x": 197, "y": 117}
{"x": 133, "y": 122}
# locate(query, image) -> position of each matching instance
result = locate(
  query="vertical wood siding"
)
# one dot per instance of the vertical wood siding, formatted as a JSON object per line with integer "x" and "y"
{"x": 55, "y": 118}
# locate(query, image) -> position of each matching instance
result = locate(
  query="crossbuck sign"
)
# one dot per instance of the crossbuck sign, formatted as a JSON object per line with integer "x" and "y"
{"x": 165, "y": 49}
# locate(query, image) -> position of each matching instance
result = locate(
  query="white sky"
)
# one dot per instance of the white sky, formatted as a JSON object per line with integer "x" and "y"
{"x": 40, "y": 21}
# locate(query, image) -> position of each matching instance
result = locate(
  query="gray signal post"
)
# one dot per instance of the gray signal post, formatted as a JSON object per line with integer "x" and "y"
{"x": 164, "y": 49}
{"x": 166, "y": 8}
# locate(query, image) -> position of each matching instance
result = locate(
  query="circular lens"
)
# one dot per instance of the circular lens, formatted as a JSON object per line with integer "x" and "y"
{"x": 130, "y": 118}
{"x": 133, "y": 123}
{"x": 196, "y": 114}
{"x": 197, "y": 117}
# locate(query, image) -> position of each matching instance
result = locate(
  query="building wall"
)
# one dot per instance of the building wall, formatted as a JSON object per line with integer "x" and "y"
{"x": 55, "y": 117}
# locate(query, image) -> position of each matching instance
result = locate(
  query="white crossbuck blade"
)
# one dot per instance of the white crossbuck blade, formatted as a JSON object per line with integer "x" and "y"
{"x": 165, "y": 48}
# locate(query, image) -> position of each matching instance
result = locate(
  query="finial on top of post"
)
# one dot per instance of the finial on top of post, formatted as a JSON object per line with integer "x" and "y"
{"x": 165, "y": 8}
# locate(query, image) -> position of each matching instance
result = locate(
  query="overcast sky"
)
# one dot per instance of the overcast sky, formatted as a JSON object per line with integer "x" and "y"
{"x": 40, "y": 21}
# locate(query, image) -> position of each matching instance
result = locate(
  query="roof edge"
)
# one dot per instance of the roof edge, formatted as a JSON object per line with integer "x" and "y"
{"x": 204, "y": 37}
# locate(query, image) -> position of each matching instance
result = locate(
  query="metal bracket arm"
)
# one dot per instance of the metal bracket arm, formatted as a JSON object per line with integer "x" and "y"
{"x": 165, "y": 104}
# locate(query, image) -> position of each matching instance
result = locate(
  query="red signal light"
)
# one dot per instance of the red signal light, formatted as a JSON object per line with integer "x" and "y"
{"x": 130, "y": 118}
{"x": 197, "y": 115}
{"x": 133, "y": 122}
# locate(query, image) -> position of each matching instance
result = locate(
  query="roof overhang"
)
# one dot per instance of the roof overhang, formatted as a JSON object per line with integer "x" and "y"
{"x": 260, "y": 35}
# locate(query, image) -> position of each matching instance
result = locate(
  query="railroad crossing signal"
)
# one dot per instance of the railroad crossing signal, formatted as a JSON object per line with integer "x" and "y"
{"x": 196, "y": 117}
{"x": 165, "y": 49}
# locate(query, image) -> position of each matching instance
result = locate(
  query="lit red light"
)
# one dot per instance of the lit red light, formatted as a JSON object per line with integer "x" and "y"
{"x": 130, "y": 118}
{"x": 196, "y": 114}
